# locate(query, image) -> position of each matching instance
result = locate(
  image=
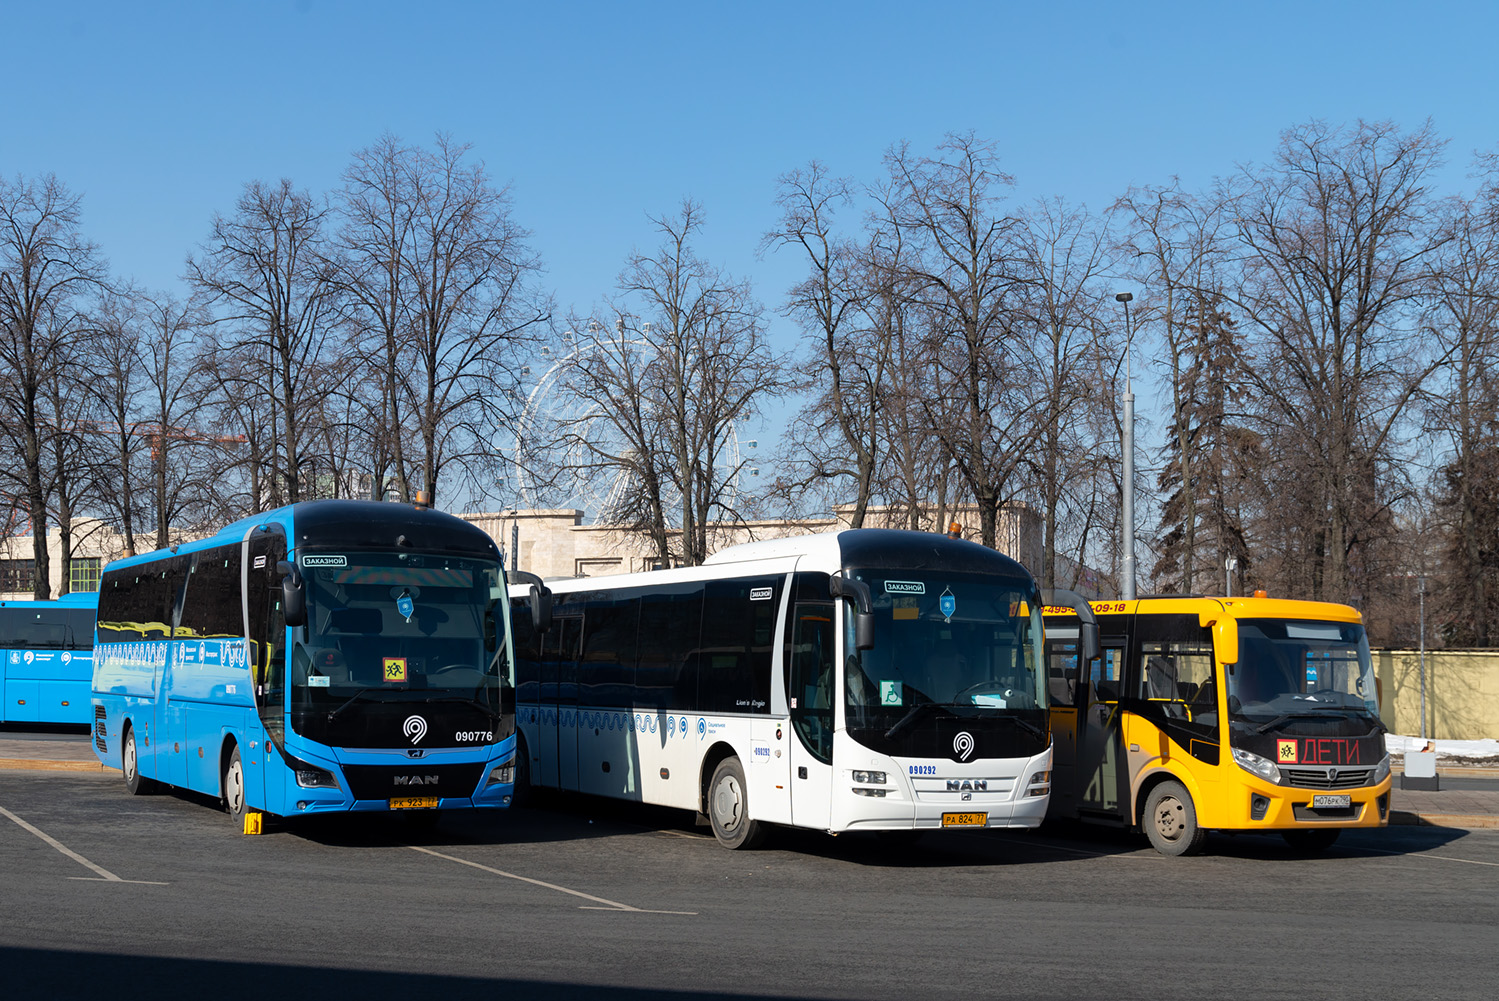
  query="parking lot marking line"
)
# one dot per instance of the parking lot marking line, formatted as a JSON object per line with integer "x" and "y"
{"x": 608, "y": 905}
{"x": 1139, "y": 855}
{"x": 1444, "y": 858}
{"x": 105, "y": 876}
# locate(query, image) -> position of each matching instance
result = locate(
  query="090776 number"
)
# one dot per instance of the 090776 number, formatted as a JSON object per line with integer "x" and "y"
{"x": 471, "y": 735}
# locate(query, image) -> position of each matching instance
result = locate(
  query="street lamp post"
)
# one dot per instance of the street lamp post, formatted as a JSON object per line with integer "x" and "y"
{"x": 1421, "y": 593}
{"x": 1127, "y": 571}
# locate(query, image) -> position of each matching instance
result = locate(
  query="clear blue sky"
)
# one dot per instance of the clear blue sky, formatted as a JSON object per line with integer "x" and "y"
{"x": 599, "y": 113}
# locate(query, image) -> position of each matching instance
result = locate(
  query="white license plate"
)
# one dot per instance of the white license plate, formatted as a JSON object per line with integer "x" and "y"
{"x": 1331, "y": 802}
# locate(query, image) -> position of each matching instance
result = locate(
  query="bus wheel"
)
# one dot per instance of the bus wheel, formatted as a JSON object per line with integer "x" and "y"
{"x": 1313, "y": 841}
{"x": 728, "y": 807}
{"x": 130, "y": 764}
{"x": 521, "y": 797}
{"x": 233, "y": 785}
{"x": 1170, "y": 821}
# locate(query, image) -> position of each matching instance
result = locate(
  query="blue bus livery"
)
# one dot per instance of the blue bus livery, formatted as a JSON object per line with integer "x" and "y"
{"x": 47, "y": 648}
{"x": 326, "y": 656}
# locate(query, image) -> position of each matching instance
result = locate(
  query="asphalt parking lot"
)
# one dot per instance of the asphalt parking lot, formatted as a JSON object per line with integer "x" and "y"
{"x": 124, "y": 896}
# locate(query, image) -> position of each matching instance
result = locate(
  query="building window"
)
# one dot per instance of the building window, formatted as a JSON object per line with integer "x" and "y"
{"x": 18, "y": 575}
{"x": 83, "y": 573}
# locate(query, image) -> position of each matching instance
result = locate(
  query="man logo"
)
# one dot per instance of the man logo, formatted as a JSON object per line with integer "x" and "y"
{"x": 415, "y": 727}
{"x": 962, "y": 745}
{"x": 416, "y": 780}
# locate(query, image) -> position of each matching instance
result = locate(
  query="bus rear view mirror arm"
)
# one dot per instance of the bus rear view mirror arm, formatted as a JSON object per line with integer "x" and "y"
{"x": 293, "y": 595}
{"x": 1087, "y": 631}
{"x": 845, "y": 587}
{"x": 539, "y": 600}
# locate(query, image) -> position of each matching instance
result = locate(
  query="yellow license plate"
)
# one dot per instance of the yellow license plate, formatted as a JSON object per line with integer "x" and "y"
{"x": 414, "y": 803}
{"x": 965, "y": 820}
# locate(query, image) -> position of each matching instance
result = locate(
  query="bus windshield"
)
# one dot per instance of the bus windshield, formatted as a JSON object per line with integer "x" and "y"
{"x": 1301, "y": 667}
{"x": 381, "y": 625}
{"x": 951, "y": 640}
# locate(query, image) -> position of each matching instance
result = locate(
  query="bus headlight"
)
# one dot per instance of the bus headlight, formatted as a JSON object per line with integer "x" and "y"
{"x": 1039, "y": 785}
{"x": 869, "y": 778}
{"x": 1256, "y": 765}
{"x": 1381, "y": 771}
{"x": 501, "y": 774}
{"x": 313, "y": 777}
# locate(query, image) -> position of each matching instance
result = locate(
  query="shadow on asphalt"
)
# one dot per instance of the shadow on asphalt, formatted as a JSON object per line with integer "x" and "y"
{"x": 64, "y": 975}
{"x": 570, "y": 817}
{"x": 557, "y": 818}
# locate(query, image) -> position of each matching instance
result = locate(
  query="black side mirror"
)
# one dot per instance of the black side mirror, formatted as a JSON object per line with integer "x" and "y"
{"x": 1087, "y": 626}
{"x": 846, "y": 587}
{"x": 539, "y": 599}
{"x": 293, "y": 595}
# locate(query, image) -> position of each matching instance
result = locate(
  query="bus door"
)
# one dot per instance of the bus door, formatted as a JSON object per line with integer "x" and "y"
{"x": 1102, "y": 771}
{"x": 558, "y": 724}
{"x": 265, "y": 651}
{"x": 811, "y": 690}
{"x": 1063, "y": 689}
{"x": 178, "y": 692}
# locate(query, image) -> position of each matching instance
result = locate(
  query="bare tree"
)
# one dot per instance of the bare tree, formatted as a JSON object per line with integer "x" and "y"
{"x": 664, "y": 400}
{"x": 266, "y": 268}
{"x": 47, "y": 270}
{"x": 1463, "y": 313}
{"x": 835, "y": 436}
{"x": 1338, "y": 242}
{"x": 1179, "y": 243}
{"x": 115, "y": 383}
{"x": 1064, "y": 257}
{"x": 960, "y": 265}
{"x": 443, "y": 288}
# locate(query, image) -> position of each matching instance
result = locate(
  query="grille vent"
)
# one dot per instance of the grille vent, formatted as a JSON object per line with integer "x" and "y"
{"x": 1321, "y": 778}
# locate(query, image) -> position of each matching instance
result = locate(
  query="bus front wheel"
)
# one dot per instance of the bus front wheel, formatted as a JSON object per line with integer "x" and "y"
{"x": 728, "y": 807}
{"x": 233, "y": 786}
{"x": 130, "y": 764}
{"x": 1170, "y": 821}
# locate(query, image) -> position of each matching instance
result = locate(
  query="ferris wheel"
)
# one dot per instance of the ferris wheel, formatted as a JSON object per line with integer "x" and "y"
{"x": 568, "y": 452}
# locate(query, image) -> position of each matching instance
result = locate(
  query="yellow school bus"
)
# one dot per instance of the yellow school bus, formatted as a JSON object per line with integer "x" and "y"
{"x": 1217, "y": 714}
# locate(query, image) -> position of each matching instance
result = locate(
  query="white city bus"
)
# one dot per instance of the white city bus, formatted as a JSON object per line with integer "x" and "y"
{"x": 859, "y": 680}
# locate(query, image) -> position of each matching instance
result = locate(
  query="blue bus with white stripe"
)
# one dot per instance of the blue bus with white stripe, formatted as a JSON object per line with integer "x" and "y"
{"x": 47, "y": 650}
{"x": 328, "y": 656}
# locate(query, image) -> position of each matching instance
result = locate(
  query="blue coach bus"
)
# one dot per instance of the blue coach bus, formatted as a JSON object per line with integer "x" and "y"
{"x": 48, "y": 653}
{"x": 326, "y": 656}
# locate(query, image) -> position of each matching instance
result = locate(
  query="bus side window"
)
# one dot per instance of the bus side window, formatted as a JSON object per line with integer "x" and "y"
{"x": 1061, "y": 672}
{"x": 1107, "y": 672}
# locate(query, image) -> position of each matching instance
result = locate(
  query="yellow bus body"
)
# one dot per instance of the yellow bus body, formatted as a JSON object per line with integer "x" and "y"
{"x": 1224, "y": 795}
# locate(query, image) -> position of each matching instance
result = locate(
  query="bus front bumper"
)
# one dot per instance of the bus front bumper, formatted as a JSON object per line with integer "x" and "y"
{"x": 1262, "y": 806}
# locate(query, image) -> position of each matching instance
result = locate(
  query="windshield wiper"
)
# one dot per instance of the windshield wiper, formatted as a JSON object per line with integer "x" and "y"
{"x": 468, "y": 701}
{"x": 333, "y": 714}
{"x": 917, "y": 711}
{"x": 1277, "y": 721}
{"x": 1027, "y": 724}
